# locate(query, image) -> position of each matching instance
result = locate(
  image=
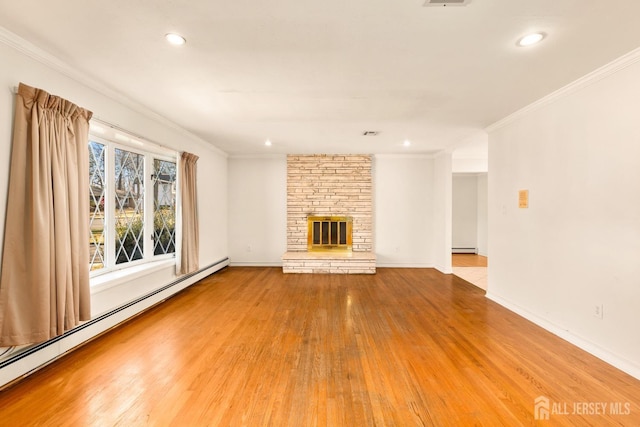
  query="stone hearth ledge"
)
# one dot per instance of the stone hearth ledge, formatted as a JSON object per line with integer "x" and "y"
{"x": 329, "y": 262}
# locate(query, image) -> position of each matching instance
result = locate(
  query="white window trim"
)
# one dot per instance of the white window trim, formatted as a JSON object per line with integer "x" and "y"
{"x": 115, "y": 274}
{"x": 110, "y": 279}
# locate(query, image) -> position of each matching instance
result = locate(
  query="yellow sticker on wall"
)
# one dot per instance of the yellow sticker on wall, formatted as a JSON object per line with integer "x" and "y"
{"x": 523, "y": 199}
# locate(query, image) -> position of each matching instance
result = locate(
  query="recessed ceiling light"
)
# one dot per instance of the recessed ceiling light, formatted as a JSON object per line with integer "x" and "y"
{"x": 406, "y": 143}
{"x": 531, "y": 39}
{"x": 175, "y": 39}
{"x": 268, "y": 143}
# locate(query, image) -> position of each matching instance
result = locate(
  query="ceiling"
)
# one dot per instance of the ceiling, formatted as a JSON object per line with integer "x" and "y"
{"x": 312, "y": 76}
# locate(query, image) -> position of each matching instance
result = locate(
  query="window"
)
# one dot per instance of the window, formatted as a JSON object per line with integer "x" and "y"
{"x": 132, "y": 198}
{"x": 129, "y": 206}
{"x": 164, "y": 206}
{"x": 96, "y": 205}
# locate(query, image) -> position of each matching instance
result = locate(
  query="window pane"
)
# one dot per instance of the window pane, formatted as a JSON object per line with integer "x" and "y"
{"x": 164, "y": 207}
{"x": 129, "y": 209}
{"x": 96, "y": 205}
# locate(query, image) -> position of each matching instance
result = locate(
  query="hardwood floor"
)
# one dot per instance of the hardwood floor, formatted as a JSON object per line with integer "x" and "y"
{"x": 468, "y": 260}
{"x": 254, "y": 347}
{"x": 472, "y": 268}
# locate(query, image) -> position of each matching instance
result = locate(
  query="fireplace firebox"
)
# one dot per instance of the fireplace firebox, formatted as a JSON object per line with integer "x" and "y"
{"x": 329, "y": 233}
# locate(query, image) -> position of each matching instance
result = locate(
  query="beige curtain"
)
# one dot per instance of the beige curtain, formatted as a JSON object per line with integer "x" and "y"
{"x": 44, "y": 285}
{"x": 190, "y": 230}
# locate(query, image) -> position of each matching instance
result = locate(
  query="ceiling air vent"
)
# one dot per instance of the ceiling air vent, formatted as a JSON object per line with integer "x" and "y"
{"x": 433, "y": 3}
{"x": 370, "y": 132}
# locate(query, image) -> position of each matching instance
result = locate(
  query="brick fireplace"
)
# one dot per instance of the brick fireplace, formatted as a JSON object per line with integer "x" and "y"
{"x": 321, "y": 187}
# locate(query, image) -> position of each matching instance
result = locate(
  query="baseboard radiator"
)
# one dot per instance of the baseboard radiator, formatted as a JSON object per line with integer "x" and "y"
{"x": 464, "y": 250}
{"x": 20, "y": 362}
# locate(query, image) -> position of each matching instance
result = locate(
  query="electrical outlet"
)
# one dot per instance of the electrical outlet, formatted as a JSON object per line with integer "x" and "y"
{"x": 598, "y": 311}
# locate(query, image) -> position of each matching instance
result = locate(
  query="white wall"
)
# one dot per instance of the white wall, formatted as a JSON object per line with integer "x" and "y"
{"x": 462, "y": 165}
{"x": 472, "y": 154}
{"x": 212, "y": 169}
{"x": 404, "y": 208}
{"x": 403, "y": 211}
{"x": 469, "y": 211}
{"x": 464, "y": 216}
{"x": 442, "y": 224}
{"x": 257, "y": 210}
{"x": 578, "y": 244}
{"x": 482, "y": 215}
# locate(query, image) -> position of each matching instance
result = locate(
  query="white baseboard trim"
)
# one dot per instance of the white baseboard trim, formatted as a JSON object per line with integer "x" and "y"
{"x": 255, "y": 264}
{"x": 444, "y": 270}
{"x": 29, "y": 359}
{"x": 402, "y": 265}
{"x": 586, "y": 345}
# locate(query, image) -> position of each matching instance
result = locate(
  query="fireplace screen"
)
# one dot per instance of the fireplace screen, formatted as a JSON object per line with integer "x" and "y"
{"x": 329, "y": 233}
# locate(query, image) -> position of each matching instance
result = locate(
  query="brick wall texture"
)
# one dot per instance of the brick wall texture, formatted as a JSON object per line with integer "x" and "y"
{"x": 329, "y": 185}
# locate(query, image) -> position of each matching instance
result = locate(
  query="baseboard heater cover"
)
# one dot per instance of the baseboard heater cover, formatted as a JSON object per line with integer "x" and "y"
{"x": 37, "y": 347}
{"x": 464, "y": 250}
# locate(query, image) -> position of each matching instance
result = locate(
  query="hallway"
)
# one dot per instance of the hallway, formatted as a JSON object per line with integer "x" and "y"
{"x": 472, "y": 268}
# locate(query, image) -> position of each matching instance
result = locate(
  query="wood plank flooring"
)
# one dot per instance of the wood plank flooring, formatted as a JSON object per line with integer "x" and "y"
{"x": 254, "y": 347}
{"x": 468, "y": 260}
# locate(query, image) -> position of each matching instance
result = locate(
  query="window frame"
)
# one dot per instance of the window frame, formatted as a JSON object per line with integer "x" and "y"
{"x": 150, "y": 153}
{"x": 153, "y": 203}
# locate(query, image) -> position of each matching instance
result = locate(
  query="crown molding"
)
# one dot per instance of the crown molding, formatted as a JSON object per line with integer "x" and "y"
{"x": 593, "y": 77}
{"x": 34, "y": 52}
{"x": 254, "y": 156}
{"x": 404, "y": 156}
